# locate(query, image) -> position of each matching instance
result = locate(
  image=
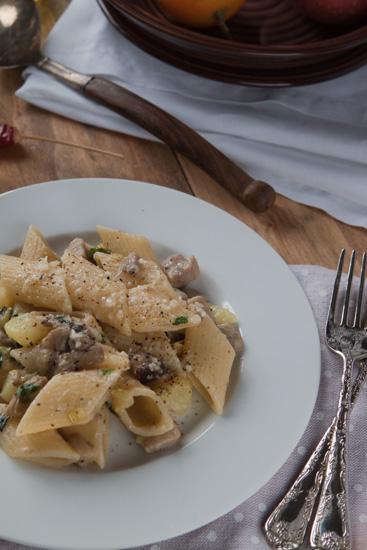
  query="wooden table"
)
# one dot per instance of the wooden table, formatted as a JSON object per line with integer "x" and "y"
{"x": 299, "y": 233}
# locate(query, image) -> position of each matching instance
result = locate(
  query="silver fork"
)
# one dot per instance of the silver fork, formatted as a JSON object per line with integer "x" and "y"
{"x": 330, "y": 530}
{"x": 286, "y": 526}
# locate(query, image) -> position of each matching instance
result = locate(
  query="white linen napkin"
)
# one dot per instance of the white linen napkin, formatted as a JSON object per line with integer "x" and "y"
{"x": 309, "y": 142}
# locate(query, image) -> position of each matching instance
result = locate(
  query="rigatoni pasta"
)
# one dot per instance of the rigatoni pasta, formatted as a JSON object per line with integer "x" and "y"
{"x": 209, "y": 358}
{"x": 39, "y": 283}
{"x": 68, "y": 399}
{"x": 35, "y": 246}
{"x": 38, "y": 447}
{"x": 140, "y": 409}
{"x": 124, "y": 243}
{"x": 91, "y": 289}
{"x": 90, "y": 440}
{"x": 103, "y": 330}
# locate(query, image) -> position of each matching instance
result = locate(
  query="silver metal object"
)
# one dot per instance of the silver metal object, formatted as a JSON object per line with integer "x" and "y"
{"x": 286, "y": 527}
{"x": 20, "y": 42}
{"x": 20, "y": 36}
{"x": 76, "y": 80}
{"x": 330, "y": 530}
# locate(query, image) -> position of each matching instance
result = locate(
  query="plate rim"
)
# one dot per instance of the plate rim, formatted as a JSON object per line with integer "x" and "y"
{"x": 133, "y": 183}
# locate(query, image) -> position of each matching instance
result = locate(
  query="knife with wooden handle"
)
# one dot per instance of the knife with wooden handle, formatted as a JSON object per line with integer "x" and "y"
{"x": 256, "y": 195}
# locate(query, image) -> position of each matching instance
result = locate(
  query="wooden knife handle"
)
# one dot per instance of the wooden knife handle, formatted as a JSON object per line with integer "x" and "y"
{"x": 256, "y": 195}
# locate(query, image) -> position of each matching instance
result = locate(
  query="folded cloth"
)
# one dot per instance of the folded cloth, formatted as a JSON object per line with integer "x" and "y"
{"x": 241, "y": 529}
{"x": 308, "y": 142}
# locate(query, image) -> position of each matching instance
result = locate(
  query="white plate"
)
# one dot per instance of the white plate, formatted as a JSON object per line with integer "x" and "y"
{"x": 222, "y": 460}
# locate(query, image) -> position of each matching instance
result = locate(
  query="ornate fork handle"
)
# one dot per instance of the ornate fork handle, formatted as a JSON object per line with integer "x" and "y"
{"x": 330, "y": 530}
{"x": 287, "y": 525}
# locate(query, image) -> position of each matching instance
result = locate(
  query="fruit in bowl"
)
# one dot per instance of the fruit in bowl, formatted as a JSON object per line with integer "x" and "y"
{"x": 335, "y": 12}
{"x": 200, "y": 13}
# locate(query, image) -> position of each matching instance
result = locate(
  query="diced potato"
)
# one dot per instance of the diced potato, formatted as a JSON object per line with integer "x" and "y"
{"x": 6, "y": 297}
{"x": 27, "y": 329}
{"x": 176, "y": 394}
{"x": 222, "y": 315}
{"x": 9, "y": 388}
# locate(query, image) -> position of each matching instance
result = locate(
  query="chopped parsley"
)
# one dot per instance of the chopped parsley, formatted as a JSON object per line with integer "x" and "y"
{"x": 106, "y": 372}
{"x": 3, "y": 420}
{"x": 62, "y": 319}
{"x": 26, "y": 392}
{"x": 1, "y": 358}
{"x": 182, "y": 320}
{"x": 94, "y": 249}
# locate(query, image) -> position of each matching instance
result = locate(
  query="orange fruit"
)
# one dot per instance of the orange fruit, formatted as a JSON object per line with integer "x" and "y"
{"x": 200, "y": 13}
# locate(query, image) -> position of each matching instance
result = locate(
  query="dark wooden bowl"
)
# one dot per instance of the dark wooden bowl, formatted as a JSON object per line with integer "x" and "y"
{"x": 272, "y": 44}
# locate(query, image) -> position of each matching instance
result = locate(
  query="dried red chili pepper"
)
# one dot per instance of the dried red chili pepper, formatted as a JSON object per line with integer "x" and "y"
{"x": 10, "y": 136}
{"x": 7, "y": 135}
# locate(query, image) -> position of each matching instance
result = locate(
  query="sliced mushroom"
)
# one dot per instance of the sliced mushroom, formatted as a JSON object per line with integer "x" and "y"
{"x": 234, "y": 336}
{"x": 55, "y": 320}
{"x": 181, "y": 270}
{"x": 159, "y": 442}
{"x": 81, "y": 338}
{"x": 76, "y": 360}
{"x": 35, "y": 359}
{"x": 57, "y": 339}
{"x": 146, "y": 367}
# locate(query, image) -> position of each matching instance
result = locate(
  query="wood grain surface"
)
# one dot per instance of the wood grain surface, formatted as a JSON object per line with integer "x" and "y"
{"x": 300, "y": 234}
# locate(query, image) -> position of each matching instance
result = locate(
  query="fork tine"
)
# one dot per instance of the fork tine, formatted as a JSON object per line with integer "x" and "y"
{"x": 357, "y": 318}
{"x": 343, "y": 322}
{"x": 334, "y": 296}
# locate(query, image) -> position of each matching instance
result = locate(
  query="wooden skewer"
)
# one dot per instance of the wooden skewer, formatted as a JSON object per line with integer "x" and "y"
{"x": 70, "y": 144}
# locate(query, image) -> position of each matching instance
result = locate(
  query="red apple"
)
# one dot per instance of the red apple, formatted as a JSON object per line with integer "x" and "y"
{"x": 335, "y": 12}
